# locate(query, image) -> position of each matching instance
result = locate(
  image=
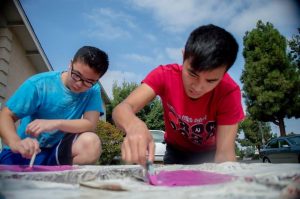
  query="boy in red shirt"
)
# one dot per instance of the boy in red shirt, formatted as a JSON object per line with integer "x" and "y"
{"x": 202, "y": 104}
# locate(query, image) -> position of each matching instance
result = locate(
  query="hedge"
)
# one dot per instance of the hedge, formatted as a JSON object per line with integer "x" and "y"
{"x": 111, "y": 138}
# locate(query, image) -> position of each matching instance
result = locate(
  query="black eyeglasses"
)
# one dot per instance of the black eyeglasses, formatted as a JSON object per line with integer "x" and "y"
{"x": 76, "y": 76}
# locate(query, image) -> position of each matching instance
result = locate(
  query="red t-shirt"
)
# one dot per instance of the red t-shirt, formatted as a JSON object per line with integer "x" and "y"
{"x": 191, "y": 124}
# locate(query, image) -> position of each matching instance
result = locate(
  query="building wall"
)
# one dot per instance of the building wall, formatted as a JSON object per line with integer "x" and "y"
{"x": 15, "y": 67}
{"x": 5, "y": 55}
{"x": 20, "y": 67}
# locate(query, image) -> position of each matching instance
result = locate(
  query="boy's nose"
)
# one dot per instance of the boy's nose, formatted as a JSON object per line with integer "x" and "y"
{"x": 79, "y": 83}
{"x": 197, "y": 87}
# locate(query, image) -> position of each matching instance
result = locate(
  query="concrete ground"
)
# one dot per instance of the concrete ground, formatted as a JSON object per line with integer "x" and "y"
{"x": 256, "y": 180}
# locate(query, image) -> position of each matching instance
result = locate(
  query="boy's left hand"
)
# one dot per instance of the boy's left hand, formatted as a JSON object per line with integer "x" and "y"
{"x": 36, "y": 127}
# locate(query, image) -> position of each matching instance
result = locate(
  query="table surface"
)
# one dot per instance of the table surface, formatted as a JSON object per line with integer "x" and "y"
{"x": 255, "y": 180}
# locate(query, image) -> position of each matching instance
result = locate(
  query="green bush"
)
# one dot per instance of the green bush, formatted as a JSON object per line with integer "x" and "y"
{"x": 111, "y": 138}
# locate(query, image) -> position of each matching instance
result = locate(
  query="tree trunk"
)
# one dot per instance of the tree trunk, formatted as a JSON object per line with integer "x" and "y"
{"x": 282, "y": 127}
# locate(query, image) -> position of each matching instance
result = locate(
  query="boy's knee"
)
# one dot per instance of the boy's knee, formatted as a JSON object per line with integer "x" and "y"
{"x": 93, "y": 144}
{"x": 90, "y": 145}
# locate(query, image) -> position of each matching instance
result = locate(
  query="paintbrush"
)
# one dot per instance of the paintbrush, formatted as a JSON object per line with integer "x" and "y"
{"x": 150, "y": 173}
{"x": 32, "y": 160}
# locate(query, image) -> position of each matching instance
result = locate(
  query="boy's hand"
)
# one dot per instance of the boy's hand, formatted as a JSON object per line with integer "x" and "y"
{"x": 36, "y": 127}
{"x": 138, "y": 145}
{"x": 26, "y": 147}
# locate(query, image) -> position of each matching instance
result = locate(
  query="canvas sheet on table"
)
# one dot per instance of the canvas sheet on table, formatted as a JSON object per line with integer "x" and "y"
{"x": 254, "y": 181}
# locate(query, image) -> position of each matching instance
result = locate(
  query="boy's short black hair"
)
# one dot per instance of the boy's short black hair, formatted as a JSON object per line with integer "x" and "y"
{"x": 94, "y": 58}
{"x": 209, "y": 47}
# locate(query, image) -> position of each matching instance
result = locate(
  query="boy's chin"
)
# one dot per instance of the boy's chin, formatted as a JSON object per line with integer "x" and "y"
{"x": 194, "y": 97}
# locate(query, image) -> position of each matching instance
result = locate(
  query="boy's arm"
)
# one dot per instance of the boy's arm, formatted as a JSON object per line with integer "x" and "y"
{"x": 9, "y": 135}
{"x": 87, "y": 123}
{"x": 225, "y": 139}
{"x": 138, "y": 142}
{"x": 7, "y": 126}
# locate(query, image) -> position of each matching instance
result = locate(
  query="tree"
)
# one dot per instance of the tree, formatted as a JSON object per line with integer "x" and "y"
{"x": 294, "y": 45}
{"x": 294, "y": 56}
{"x": 270, "y": 80}
{"x": 256, "y": 133}
{"x": 154, "y": 119}
{"x": 151, "y": 114}
{"x": 119, "y": 94}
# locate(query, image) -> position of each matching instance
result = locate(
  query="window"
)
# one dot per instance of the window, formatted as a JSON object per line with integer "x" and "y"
{"x": 273, "y": 144}
{"x": 283, "y": 143}
{"x": 158, "y": 136}
{"x": 294, "y": 140}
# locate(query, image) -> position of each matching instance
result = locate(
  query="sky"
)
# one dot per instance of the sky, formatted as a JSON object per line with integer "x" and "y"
{"x": 139, "y": 35}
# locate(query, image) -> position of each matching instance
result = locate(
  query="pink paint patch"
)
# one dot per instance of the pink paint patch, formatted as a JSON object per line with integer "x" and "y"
{"x": 35, "y": 168}
{"x": 188, "y": 178}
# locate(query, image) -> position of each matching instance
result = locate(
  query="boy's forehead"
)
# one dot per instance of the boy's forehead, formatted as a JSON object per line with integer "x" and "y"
{"x": 81, "y": 68}
{"x": 191, "y": 69}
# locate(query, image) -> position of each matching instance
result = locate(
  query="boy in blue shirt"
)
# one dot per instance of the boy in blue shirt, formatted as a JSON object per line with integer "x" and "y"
{"x": 58, "y": 112}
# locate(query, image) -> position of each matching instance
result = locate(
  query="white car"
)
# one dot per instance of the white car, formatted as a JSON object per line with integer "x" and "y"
{"x": 160, "y": 145}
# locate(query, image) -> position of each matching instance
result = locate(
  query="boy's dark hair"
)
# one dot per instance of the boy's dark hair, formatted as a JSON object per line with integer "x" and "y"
{"x": 209, "y": 47}
{"x": 94, "y": 58}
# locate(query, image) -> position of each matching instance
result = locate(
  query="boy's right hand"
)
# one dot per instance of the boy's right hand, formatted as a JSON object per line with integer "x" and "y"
{"x": 26, "y": 147}
{"x": 138, "y": 145}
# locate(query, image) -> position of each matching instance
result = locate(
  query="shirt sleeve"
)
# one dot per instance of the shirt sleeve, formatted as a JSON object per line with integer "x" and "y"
{"x": 95, "y": 101}
{"x": 230, "y": 110}
{"x": 154, "y": 80}
{"x": 24, "y": 101}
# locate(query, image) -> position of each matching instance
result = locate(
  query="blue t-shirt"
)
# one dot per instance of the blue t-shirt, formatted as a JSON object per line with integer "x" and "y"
{"x": 44, "y": 96}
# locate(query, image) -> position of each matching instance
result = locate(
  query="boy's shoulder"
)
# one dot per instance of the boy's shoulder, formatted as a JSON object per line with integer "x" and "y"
{"x": 44, "y": 76}
{"x": 170, "y": 68}
{"x": 174, "y": 67}
{"x": 227, "y": 83}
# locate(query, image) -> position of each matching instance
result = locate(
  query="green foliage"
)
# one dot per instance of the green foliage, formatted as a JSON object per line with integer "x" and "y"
{"x": 249, "y": 151}
{"x": 238, "y": 151}
{"x": 151, "y": 114}
{"x": 111, "y": 139}
{"x": 294, "y": 45}
{"x": 271, "y": 83}
{"x": 154, "y": 118}
{"x": 119, "y": 94}
{"x": 255, "y": 132}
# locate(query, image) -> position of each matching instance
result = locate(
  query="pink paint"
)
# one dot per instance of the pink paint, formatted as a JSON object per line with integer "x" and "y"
{"x": 188, "y": 178}
{"x": 35, "y": 168}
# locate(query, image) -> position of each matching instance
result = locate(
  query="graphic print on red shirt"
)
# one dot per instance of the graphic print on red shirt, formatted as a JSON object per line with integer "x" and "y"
{"x": 198, "y": 132}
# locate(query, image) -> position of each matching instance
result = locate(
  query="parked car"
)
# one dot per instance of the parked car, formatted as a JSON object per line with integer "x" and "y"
{"x": 160, "y": 145}
{"x": 285, "y": 149}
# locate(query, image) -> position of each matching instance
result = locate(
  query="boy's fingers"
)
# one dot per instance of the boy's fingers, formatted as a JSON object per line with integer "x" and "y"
{"x": 123, "y": 154}
{"x": 151, "y": 150}
{"x": 126, "y": 151}
{"x": 36, "y": 146}
{"x": 134, "y": 149}
{"x": 142, "y": 152}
